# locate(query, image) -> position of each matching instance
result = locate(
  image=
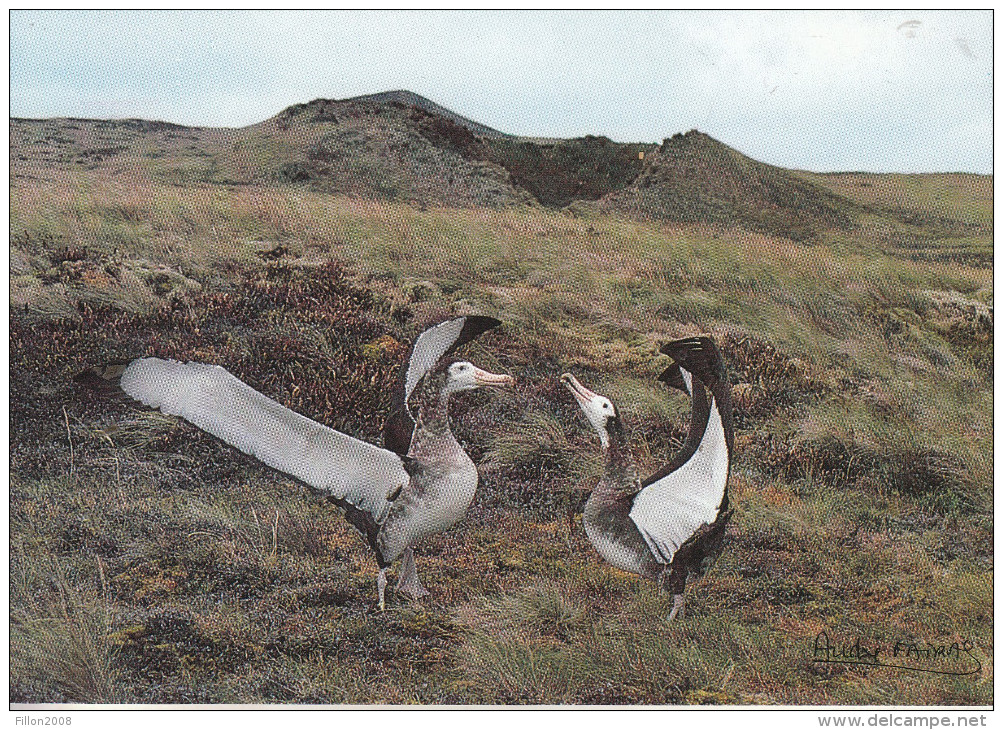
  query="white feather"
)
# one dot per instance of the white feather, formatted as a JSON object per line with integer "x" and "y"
{"x": 428, "y": 348}
{"x": 669, "y": 511}
{"x": 687, "y": 380}
{"x": 217, "y": 402}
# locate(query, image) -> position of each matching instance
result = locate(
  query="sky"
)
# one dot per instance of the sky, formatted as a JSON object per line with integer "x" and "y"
{"x": 877, "y": 91}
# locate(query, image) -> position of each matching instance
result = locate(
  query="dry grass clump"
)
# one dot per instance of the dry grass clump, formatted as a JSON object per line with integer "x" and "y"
{"x": 62, "y": 647}
{"x": 516, "y": 644}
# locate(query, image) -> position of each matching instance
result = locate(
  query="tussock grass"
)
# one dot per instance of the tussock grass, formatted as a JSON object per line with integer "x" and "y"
{"x": 539, "y": 450}
{"x": 61, "y": 633}
{"x": 516, "y": 644}
{"x": 555, "y": 644}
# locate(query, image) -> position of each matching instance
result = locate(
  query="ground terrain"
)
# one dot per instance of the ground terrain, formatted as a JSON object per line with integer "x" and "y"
{"x": 151, "y": 564}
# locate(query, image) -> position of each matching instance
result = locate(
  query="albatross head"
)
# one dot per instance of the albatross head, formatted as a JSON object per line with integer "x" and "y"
{"x": 597, "y": 408}
{"x": 462, "y": 375}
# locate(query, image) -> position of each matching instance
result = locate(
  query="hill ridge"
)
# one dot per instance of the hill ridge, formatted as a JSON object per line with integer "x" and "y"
{"x": 399, "y": 145}
{"x": 693, "y": 177}
{"x": 403, "y": 97}
{"x": 411, "y": 98}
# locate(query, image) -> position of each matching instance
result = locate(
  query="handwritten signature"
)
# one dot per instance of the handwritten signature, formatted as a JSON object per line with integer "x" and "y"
{"x": 912, "y": 656}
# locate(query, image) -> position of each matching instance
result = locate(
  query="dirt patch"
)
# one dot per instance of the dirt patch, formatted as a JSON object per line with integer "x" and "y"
{"x": 576, "y": 169}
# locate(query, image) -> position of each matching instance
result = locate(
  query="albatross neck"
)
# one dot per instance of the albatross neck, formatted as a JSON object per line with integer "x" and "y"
{"x": 620, "y": 475}
{"x": 433, "y": 408}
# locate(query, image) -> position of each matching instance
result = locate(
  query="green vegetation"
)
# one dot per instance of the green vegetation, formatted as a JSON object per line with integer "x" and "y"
{"x": 149, "y": 563}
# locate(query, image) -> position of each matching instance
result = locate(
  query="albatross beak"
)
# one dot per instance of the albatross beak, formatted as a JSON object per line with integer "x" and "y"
{"x": 485, "y": 379}
{"x": 582, "y": 394}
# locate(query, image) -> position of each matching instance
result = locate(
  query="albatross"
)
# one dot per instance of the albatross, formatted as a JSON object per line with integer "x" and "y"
{"x": 393, "y": 499}
{"x": 671, "y": 525}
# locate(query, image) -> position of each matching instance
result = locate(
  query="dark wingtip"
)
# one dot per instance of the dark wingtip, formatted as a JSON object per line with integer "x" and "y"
{"x": 699, "y": 355}
{"x": 687, "y": 344}
{"x": 434, "y": 342}
{"x": 488, "y": 322}
{"x": 474, "y": 325}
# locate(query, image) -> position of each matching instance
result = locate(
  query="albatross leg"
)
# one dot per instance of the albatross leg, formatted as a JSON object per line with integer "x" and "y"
{"x": 678, "y": 606}
{"x": 409, "y": 584}
{"x": 381, "y": 586}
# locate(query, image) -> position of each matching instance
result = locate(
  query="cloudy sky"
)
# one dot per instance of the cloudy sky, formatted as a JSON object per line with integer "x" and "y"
{"x": 907, "y": 91}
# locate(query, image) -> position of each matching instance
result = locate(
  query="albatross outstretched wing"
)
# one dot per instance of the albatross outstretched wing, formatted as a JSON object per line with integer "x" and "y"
{"x": 670, "y": 510}
{"x": 688, "y": 493}
{"x": 217, "y": 402}
{"x": 431, "y": 345}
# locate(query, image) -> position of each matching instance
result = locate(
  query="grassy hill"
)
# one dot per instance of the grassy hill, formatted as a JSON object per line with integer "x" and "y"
{"x": 149, "y": 563}
{"x": 400, "y": 146}
{"x": 368, "y": 148}
{"x": 694, "y": 178}
{"x": 409, "y": 98}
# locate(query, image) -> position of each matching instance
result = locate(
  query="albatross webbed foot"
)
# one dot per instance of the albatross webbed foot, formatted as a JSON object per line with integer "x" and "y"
{"x": 409, "y": 585}
{"x": 678, "y": 607}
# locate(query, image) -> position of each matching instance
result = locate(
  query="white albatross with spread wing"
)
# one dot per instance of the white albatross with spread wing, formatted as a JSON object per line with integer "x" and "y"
{"x": 393, "y": 499}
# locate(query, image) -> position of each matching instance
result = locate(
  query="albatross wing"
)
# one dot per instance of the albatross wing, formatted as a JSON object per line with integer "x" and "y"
{"x": 440, "y": 340}
{"x": 670, "y": 510}
{"x": 219, "y": 403}
{"x": 431, "y": 345}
